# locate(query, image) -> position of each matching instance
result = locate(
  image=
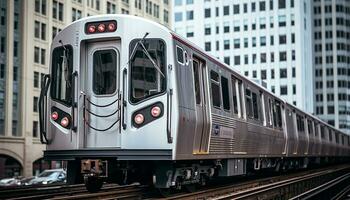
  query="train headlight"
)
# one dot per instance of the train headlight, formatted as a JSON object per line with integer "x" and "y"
{"x": 65, "y": 122}
{"x": 91, "y": 29}
{"x": 54, "y": 115}
{"x": 111, "y": 27}
{"x": 156, "y": 111}
{"x": 101, "y": 28}
{"x": 139, "y": 119}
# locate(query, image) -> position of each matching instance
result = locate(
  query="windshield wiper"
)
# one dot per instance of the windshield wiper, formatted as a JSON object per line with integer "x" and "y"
{"x": 144, "y": 49}
{"x": 65, "y": 63}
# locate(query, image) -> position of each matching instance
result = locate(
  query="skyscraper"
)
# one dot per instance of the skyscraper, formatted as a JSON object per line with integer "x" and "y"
{"x": 331, "y": 47}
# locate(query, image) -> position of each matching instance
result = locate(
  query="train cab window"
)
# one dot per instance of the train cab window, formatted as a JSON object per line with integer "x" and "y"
{"x": 196, "y": 82}
{"x": 234, "y": 95}
{"x": 215, "y": 89}
{"x": 148, "y": 69}
{"x": 104, "y": 78}
{"x": 62, "y": 68}
{"x": 225, "y": 93}
{"x": 180, "y": 55}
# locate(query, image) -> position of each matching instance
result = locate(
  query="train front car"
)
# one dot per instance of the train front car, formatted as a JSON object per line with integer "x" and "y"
{"x": 105, "y": 107}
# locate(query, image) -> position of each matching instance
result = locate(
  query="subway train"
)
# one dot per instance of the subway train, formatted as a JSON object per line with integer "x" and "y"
{"x": 127, "y": 99}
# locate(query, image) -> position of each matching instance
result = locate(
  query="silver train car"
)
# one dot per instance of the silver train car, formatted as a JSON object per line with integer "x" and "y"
{"x": 129, "y": 100}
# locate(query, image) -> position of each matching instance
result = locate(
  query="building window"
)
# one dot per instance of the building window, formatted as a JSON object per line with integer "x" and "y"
{"x": 226, "y": 27}
{"x": 246, "y": 43}
{"x": 226, "y": 10}
{"x": 40, "y": 6}
{"x": 283, "y": 73}
{"x": 43, "y": 56}
{"x": 226, "y": 44}
{"x": 281, "y": 4}
{"x": 246, "y": 59}
{"x": 111, "y": 7}
{"x": 271, "y": 4}
{"x": 35, "y": 129}
{"x": 245, "y": 8}
{"x": 35, "y": 104}
{"x": 236, "y": 9}
{"x": 227, "y": 60}
{"x": 262, "y": 6}
{"x": 237, "y": 60}
{"x": 272, "y": 73}
{"x": 36, "y": 79}
{"x": 263, "y": 74}
{"x": 37, "y": 29}
{"x": 281, "y": 20}
{"x": 36, "y": 54}
{"x": 293, "y": 54}
{"x": 283, "y": 56}
{"x": 282, "y": 39}
{"x": 207, "y": 29}
{"x": 284, "y": 90}
{"x": 178, "y": 16}
{"x": 236, "y": 43}
{"x": 178, "y": 2}
{"x": 15, "y": 48}
{"x": 207, "y": 13}
{"x": 236, "y": 26}
{"x": 262, "y": 57}
{"x": 76, "y": 14}
{"x": 272, "y": 57}
{"x": 2, "y": 71}
{"x": 189, "y": 15}
{"x": 207, "y": 46}
{"x": 253, "y": 6}
{"x": 57, "y": 10}
{"x": 262, "y": 41}
{"x": 262, "y": 23}
{"x": 166, "y": 16}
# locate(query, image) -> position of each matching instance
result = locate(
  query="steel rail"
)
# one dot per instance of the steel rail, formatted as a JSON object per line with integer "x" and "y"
{"x": 233, "y": 191}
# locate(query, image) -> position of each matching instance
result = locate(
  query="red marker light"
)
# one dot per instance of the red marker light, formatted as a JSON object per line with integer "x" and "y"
{"x": 111, "y": 27}
{"x": 155, "y": 112}
{"x": 92, "y": 29}
{"x": 54, "y": 116}
{"x": 139, "y": 118}
{"x": 64, "y": 122}
{"x": 101, "y": 28}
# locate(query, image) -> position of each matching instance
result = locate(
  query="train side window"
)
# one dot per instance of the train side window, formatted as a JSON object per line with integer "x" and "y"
{"x": 196, "y": 82}
{"x": 337, "y": 138}
{"x": 215, "y": 89}
{"x": 270, "y": 112}
{"x": 316, "y": 130}
{"x": 225, "y": 93}
{"x": 342, "y": 139}
{"x": 329, "y": 133}
{"x": 180, "y": 55}
{"x": 104, "y": 78}
{"x": 309, "y": 126}
{"x": 145, "y": 79}
{"x": 234, "y": 96}
{"x": 62, "y": 68}
{"x": 322, "y": 131}
{"x": 255, "y": 106}
{"x": 249, "y": 102}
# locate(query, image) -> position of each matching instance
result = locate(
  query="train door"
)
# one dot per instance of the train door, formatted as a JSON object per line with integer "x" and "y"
{"x": 202, "y": 133}
{"x": 102, "y": 95}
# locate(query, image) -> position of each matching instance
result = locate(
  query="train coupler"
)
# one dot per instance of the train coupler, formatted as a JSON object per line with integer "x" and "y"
{"x": 94, "y": 168}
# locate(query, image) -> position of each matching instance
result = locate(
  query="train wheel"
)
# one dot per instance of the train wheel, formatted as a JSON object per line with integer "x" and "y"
{"x": 93, "y": 184}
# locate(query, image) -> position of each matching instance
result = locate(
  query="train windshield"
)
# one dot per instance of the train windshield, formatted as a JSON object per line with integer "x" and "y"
{"x": 62, "y": 67}
{"x": 147, "y": 69}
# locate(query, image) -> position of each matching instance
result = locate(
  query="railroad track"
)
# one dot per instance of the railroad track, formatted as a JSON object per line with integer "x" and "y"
{"x": 280, "y": 187}
{"x": 62, "y": 192}
{"x": 283, "y": 187}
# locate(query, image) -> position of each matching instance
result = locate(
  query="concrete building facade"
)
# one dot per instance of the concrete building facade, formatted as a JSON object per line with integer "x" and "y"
{"x": 268, "y": 40}
{"x": 27, "y": 29}
{"x": 331, "y": 47}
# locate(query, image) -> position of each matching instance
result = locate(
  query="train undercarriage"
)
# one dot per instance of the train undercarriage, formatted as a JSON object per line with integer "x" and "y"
{"x": 175, "y": 175}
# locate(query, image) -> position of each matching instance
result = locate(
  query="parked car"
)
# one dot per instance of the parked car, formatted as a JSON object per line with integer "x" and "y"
{"x": 25, "y": 181}
{"x": 49, "y": 176}
{"x": 14, "y": 181}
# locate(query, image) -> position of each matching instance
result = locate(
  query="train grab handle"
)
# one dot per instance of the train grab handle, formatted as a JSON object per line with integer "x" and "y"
{"x": 42, "y": 120}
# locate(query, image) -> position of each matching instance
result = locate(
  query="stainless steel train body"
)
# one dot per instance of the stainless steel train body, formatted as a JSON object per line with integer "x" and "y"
{"x": 98, "y": 102}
